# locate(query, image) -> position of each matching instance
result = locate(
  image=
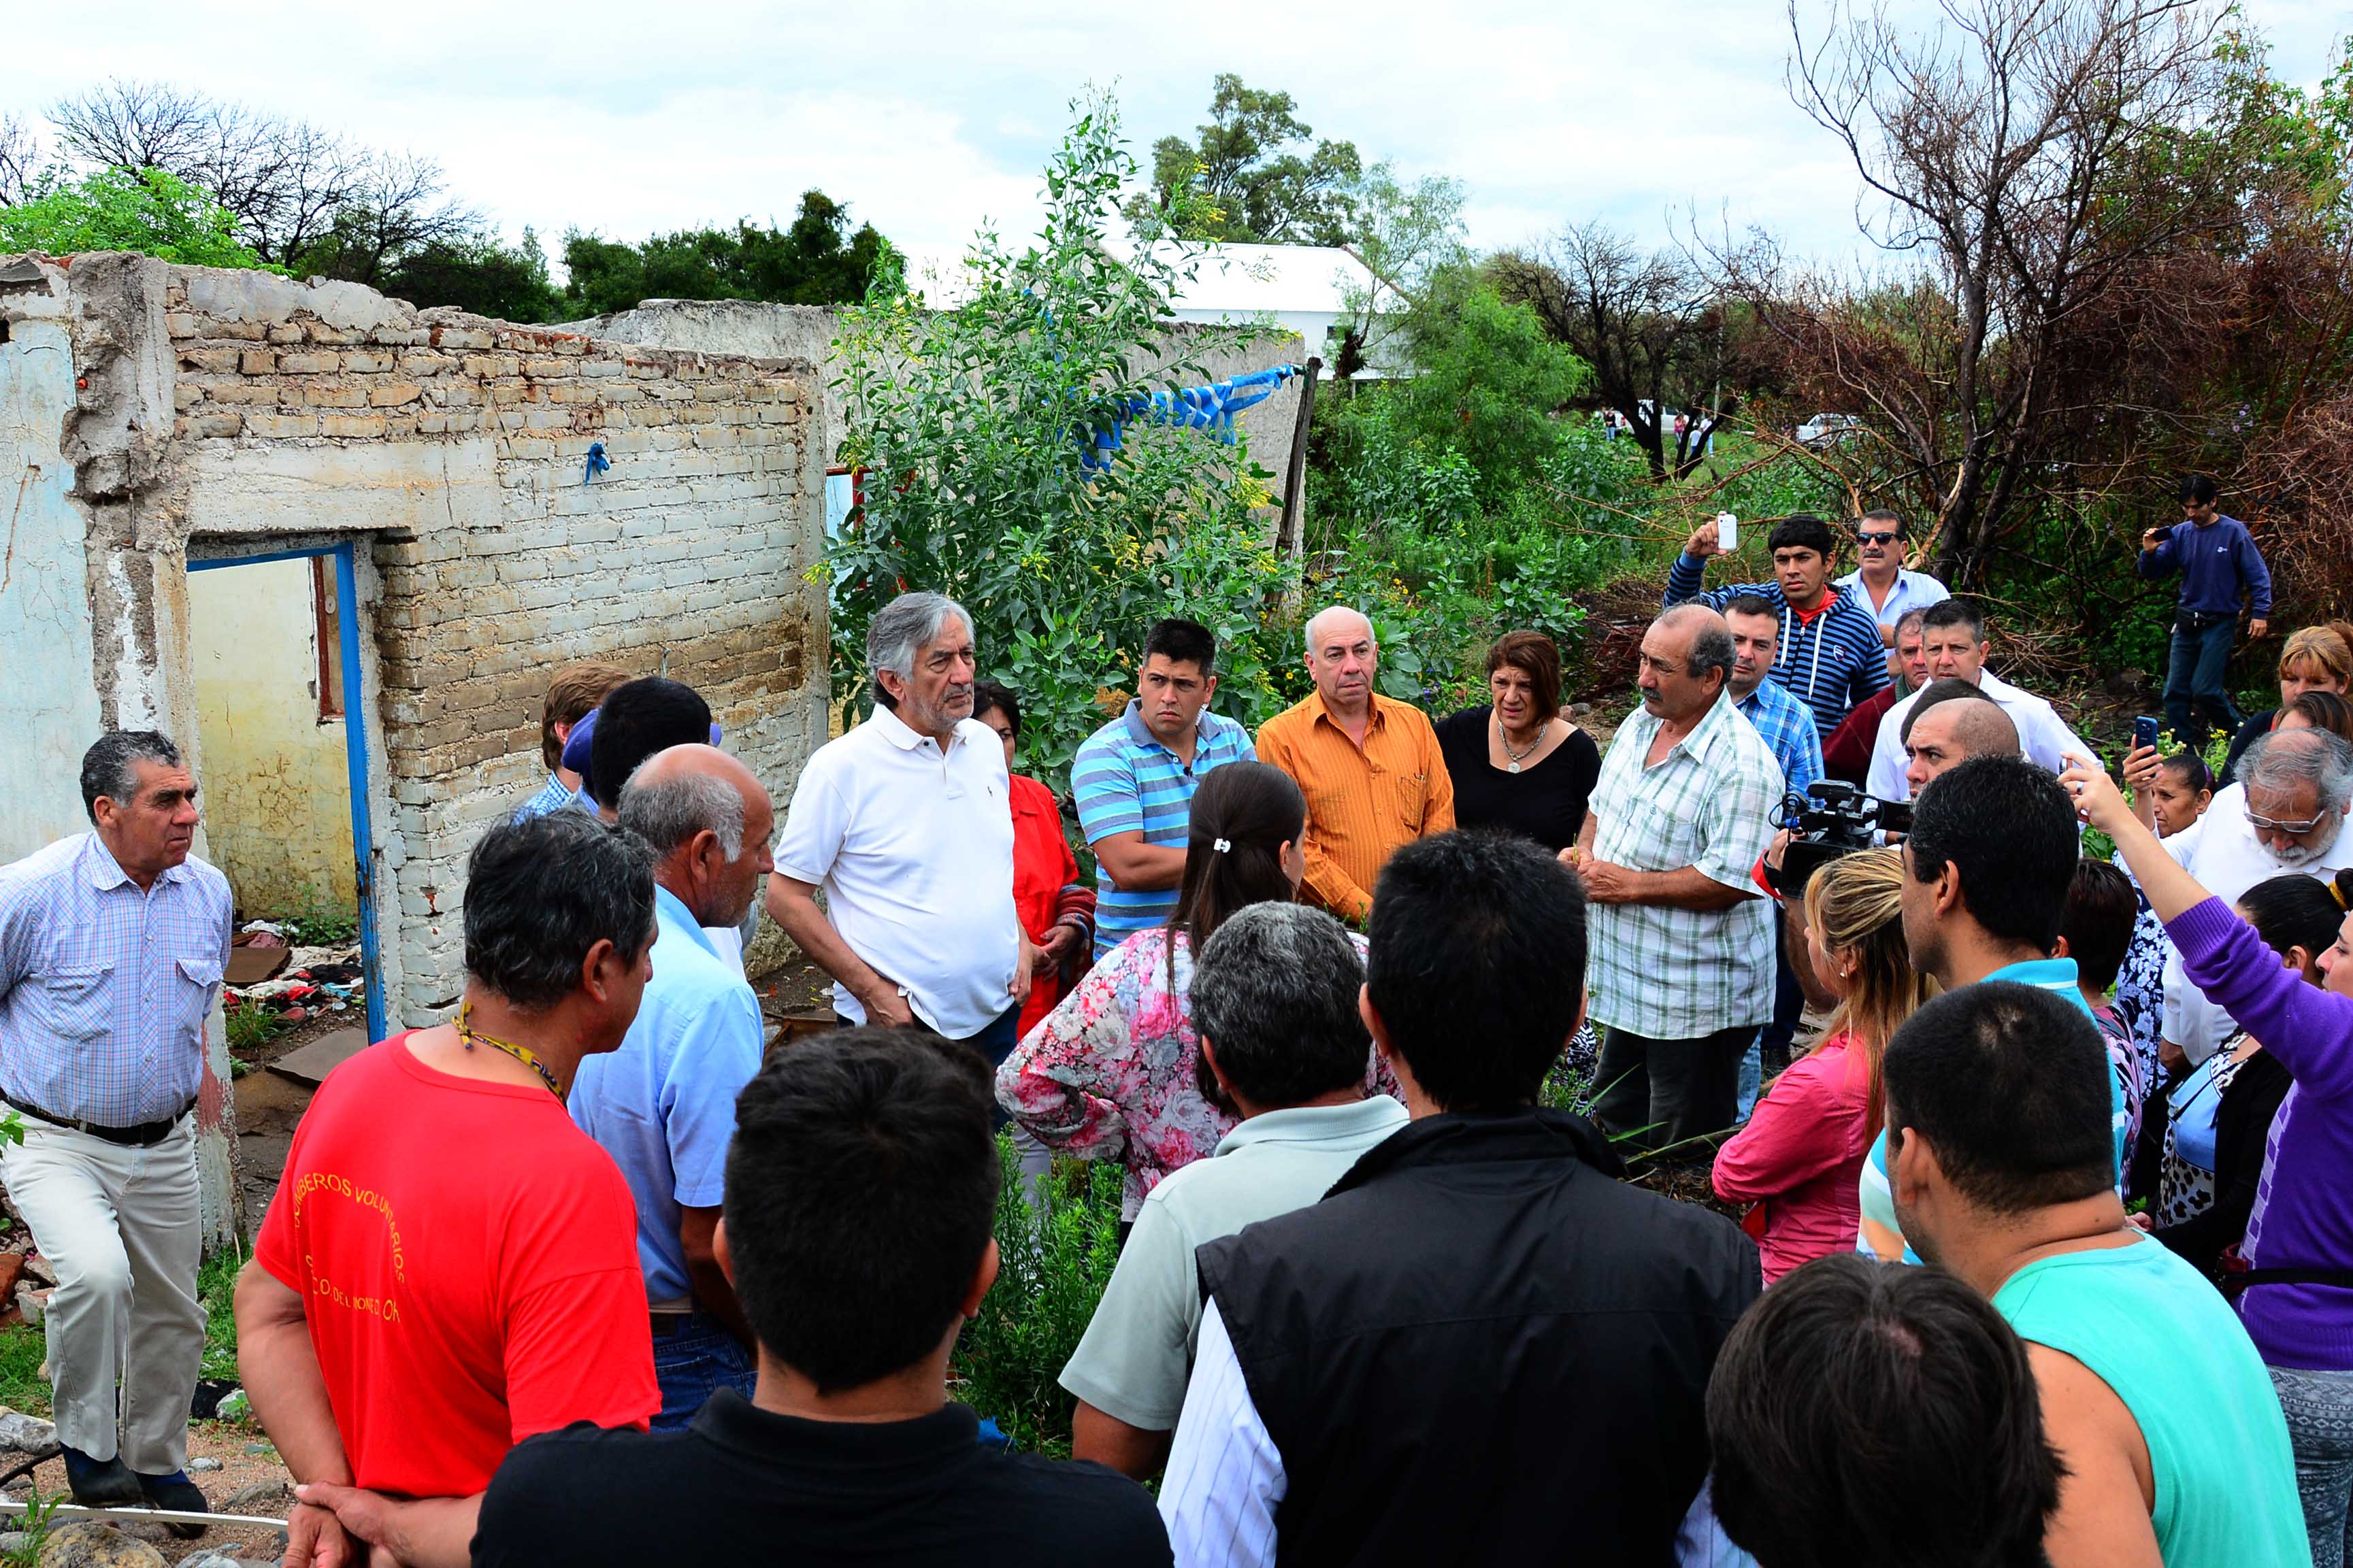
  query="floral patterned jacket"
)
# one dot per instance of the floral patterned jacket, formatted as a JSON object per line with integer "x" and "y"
{"x": 1108, "y": 1074}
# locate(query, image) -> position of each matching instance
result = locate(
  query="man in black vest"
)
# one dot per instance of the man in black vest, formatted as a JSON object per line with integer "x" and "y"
{"x": 1481, "y": 1346}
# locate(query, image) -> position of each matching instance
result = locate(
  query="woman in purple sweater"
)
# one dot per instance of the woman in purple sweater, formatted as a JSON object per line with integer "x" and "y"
{"x": 2296, "y": 1299}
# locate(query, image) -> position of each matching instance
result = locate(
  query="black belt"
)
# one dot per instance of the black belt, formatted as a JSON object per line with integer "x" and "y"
{"x": 146, "y": 1135}
{"x": 2198, "y": 620}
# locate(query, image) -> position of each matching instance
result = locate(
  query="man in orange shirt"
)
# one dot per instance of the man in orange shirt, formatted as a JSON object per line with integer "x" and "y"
{"x": 1369, "y": 766}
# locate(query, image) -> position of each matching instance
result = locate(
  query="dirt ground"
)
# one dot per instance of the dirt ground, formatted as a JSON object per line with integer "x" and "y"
{"x": 245, "y": 1458}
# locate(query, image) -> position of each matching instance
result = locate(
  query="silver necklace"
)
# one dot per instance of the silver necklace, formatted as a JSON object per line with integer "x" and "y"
{"x": 1503, "y": 737}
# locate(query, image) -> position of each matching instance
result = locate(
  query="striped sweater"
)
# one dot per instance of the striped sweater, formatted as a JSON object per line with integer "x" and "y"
{"x": 1829, "y": 662}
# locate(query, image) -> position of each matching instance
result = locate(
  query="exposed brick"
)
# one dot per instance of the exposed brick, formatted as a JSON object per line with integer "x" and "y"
{"x": 215, "y": 359}
{"x": 352, "y": 425}
{"x": 334, "y": 394}
{"x": 395, "y": 395}
{"x": 259, "y": 422}
{"x": 308, "y": 364}
{"x": 365, "y": 361}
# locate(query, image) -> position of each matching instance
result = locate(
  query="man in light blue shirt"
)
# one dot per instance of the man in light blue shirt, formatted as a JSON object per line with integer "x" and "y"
{"x": 111, "y": 948}
{"x": 1274, "y": 1002}
{"x": 1882, "y": 583}
{"x": 664, "y": 1104}
{"x": 1134, "y": 779}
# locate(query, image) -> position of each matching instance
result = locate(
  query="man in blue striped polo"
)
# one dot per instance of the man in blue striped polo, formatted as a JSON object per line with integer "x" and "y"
{"x": 1829, "y": 657}
{"x": 1134, "y": 779}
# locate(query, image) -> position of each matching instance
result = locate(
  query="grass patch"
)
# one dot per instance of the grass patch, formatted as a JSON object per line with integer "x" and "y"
{"x": 251, "y": 1024}
{"x": 23, "y": 1348}
{"x": 216, "y": 1288}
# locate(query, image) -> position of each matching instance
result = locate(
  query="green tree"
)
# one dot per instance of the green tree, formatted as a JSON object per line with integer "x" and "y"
{"x": 977, "y": 424}
{"x": 1249, "y": 185}
{"x": 144, "y": 210}
{"x": 478, "y": 273}
{"x": 1488, "y": 380}
{"x": 1405, "y": 235}
{"x": 816, "y": 261}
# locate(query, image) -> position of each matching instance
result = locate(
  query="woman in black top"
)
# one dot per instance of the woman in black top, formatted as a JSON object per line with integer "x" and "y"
{"x": 1517, "y": 763}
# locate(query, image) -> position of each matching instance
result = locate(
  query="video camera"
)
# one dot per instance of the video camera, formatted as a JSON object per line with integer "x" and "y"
{"x": 1838, "y": 820}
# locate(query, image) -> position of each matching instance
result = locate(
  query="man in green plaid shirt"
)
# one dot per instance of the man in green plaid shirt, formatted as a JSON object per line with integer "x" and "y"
{"x": 1682, "y": 956}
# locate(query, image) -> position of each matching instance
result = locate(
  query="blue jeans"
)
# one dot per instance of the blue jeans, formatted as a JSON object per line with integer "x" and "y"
{"x": 694, "y": 1359}
{"x": 2194, "y": 671}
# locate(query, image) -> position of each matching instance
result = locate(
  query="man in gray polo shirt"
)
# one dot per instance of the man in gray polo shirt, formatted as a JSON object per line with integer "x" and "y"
{"x": 1283, "y": 1044}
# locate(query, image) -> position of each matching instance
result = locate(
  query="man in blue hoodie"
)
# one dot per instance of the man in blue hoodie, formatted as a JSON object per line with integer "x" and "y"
{"x": 2219, "y": 562}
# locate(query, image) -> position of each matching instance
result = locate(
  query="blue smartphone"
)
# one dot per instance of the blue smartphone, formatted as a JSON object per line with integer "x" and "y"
{"x": 2145, "y": 732}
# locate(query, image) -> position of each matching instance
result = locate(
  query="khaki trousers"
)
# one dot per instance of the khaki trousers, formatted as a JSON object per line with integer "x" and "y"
{"x": 119, "y": 1227}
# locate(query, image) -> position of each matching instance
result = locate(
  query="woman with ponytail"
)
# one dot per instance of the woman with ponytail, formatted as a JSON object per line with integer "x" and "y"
{"x": 2292, "y": 1279}
{"x": 1799, "y": 1159}
{"x": 1109, "y": 1073}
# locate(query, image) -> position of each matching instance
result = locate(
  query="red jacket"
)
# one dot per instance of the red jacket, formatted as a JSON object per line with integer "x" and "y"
{"x": 1046, "y": 888}
{"x": 1847, "y": 753}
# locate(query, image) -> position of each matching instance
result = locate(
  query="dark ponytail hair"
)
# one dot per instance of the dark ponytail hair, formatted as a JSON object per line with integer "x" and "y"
{"x": 1254, "y": 810}
{"x": 2295, "y": 911}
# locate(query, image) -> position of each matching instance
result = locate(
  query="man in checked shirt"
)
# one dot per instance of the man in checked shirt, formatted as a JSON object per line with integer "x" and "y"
{"x": 111, "y": 947}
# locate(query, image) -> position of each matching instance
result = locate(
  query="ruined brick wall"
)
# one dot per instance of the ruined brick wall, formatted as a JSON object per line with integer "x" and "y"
{"x": 238, "y": 413}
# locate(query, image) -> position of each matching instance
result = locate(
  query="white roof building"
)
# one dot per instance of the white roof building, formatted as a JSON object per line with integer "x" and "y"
{"x": 1301, "y": 289}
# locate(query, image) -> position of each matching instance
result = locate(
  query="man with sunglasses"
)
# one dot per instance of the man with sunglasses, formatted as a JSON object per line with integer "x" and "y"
{"x": 2284, "y": 815}
{"x": 1882, "y": 583}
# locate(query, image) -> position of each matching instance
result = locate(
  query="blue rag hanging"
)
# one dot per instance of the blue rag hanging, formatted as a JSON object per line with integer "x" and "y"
{"x": 1210, "y": 409}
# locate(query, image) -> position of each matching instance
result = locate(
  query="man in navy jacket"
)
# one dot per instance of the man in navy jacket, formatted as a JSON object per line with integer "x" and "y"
{"x": 2219, "y": 562}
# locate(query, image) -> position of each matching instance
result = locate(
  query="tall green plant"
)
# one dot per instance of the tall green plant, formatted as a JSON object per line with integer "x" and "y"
{"x": 974, "y": 422}
{"x": 1056, "y": 1246}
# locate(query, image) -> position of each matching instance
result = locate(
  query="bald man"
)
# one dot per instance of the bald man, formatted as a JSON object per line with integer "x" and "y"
{"x": 664, "y": 1104}
{"x": 1370, "y": 767}
{"x": 1952, "y": 722}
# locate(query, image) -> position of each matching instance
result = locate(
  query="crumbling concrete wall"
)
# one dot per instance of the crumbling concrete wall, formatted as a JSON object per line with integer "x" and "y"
{"x": 226, "y": 413}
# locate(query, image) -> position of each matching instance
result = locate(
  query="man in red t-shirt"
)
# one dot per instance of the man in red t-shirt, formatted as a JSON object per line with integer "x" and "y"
{"x": 450, "y": 1266}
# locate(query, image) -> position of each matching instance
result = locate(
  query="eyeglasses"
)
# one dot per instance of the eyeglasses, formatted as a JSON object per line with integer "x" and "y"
{"x": 1868, "y": 540}
{"x": 2270, "y": 825}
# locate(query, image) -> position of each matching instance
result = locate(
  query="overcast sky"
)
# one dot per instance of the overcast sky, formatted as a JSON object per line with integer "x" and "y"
{"x": 926, "y": 119}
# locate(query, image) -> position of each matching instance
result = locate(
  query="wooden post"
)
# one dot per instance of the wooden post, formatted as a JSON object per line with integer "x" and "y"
{"x": 1294, "y": 501}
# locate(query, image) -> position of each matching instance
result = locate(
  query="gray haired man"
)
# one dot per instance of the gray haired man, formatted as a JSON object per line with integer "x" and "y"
{"x": 1283, "y": 1045}
{"x": 2286, "y": 813}
{"x": 664, "y": 1104}
{"x": 906, "y": 822}
{"x": 111, "y": 948}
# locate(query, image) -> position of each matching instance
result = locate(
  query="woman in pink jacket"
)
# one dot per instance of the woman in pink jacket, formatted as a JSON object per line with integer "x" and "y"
{"x": 1799, "y": 1159}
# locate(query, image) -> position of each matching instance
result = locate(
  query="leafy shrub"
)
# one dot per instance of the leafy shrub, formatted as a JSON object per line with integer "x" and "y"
{"x": 145, "y": 210}
{"x": 983, "y": 418}
{"x": 1054, "y": 1257}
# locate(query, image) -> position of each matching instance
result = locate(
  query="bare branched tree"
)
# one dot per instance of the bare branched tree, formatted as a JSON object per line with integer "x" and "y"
{"x": 20, "y": 159}
{"x": 2017, "y": 152}
{"x": 291, "y": 186}
{"x": 1650, "y": 325}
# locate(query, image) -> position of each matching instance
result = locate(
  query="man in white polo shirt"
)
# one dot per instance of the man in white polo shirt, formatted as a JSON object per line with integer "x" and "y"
{"x": 1954, "y": 635}
{"x": 906, "y": 823}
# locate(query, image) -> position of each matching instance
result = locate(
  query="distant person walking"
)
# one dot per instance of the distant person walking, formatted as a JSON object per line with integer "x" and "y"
{"x": 2220, "y": 565}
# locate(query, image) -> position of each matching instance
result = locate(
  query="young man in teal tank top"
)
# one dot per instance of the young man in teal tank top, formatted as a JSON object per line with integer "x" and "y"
{"x": 2002, "y": 1169}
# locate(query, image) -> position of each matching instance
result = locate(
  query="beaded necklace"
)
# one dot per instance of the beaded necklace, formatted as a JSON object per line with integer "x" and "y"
{"x": 470, "y": 1037}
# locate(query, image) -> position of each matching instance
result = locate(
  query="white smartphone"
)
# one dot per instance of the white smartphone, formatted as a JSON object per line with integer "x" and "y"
{"x": 1727, "y": 533}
